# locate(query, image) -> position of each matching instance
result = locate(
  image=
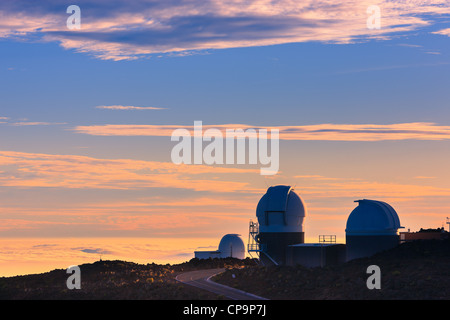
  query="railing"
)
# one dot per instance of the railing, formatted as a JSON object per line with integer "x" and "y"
{"x": 253, "y": 230}
{"x": 254, "y": 246}
{"x": 324, "y": 238}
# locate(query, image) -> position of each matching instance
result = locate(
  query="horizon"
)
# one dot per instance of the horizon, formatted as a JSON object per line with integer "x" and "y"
{"x": 89, "y": 111}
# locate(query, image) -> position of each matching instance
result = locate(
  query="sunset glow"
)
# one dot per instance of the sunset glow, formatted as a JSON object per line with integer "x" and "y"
{"x": 86, "y": 119}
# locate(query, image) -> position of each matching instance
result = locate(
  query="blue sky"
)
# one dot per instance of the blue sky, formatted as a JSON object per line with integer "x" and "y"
{"x": 381, "y": 82}
{"x": 314, "y": 82}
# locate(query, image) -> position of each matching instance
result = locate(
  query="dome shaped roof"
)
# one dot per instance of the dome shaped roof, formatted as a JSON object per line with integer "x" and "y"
{"x": 372, "y": 217}
{"x": 280, "y": 210}
{"x": 232, "y": 245}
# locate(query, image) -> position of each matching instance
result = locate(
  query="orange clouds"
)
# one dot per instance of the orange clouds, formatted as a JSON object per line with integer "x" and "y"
{"x": 321, "y": 187}
{"x": 191, "y": 216}
{"x": 164, "y": 215}
{"x": 70, "y": 171}
{"x": 225, "y": 208}
{"x": 365, "y": 189}
{"x": 444, "y": 32}
{"x": 317, "y": 132}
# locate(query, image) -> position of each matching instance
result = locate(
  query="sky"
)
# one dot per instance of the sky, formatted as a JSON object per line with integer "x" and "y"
{"x": 86, "y": 117}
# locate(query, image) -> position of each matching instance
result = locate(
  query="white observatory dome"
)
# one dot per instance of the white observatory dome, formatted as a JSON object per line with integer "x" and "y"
{"x": 372, "y": 217}
{"x": 232, "y": 246}
{"x": 280, "y": 210}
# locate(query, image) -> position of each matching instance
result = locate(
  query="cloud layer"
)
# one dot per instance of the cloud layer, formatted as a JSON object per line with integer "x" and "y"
{"x": 70, "y": 171}
{"x": 119, "y": 107}
{"x": 317, "y": 132}
{"x": 122, "y": 29}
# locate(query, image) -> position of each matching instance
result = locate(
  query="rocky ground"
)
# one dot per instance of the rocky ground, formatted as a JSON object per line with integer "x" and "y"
{"x": 415, "y": 270}
{"x": 117, "y": 280}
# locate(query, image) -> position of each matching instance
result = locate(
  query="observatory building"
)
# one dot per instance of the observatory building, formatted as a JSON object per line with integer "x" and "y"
{"x": 278, "y": 237}
{"x": 280, "y": 214}
{"x": 231, "y": 246}
{"x": 371, "y": 227}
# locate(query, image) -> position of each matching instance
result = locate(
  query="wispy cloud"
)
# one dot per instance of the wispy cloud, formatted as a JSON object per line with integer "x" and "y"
{"x": 26, "y": 122}
{"x": 130, "y": 29}
{"x": 31, "y": 123}
{"x": 119, "y": 107}
{"x": 314, "y": 177}
{"x": 444, "y": 32}
{"x": 93, "y": 250}
{"x": 409, "y": 45}
{"x": 137, "y": 218}
{"x": 317, "y": 132}
{"x": 70, "y": 171}
{"x": 222, "y": 196}
{"x": 346, "y": 188}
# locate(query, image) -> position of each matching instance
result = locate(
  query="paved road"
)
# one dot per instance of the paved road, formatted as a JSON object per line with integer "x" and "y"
{"x": 202, "y": 279}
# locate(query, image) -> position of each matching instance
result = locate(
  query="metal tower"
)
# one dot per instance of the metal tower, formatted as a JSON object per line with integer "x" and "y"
{"x": 253, "y": 244}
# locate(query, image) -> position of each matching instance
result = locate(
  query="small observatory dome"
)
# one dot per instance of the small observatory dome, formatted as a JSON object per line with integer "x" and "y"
{"x": 372, "y": 217}
{"x": 280, "y": 210}
{"x": 371, "y": 227}
{"x": 232, "y": 246}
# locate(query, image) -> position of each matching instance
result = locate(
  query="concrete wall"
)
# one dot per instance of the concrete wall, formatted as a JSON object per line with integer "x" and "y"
{"x": 316, "y": 255}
